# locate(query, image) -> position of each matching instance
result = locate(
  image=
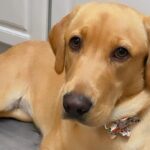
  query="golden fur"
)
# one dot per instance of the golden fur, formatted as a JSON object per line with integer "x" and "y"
{"x": 32, "y": 91}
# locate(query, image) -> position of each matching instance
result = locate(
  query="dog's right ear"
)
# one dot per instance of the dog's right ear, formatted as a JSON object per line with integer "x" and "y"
{"x": 57, "y": 41}
{"x": 147, "y": 70}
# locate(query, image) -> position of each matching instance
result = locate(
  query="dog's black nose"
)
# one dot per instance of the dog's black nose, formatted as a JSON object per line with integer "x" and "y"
{"x": 76, "y": 104}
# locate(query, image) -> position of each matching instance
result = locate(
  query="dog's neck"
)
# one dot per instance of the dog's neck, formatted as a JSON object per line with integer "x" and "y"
{"x": 127, "y": 114}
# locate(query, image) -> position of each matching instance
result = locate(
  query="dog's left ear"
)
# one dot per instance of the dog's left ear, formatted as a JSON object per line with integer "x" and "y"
{"x": 147, "y": 71}
{"x": 57, "y": 40}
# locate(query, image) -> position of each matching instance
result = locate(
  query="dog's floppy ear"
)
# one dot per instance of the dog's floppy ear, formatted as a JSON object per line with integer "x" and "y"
{"x": 147, "y": 72}
{"x": 57, "y": 41}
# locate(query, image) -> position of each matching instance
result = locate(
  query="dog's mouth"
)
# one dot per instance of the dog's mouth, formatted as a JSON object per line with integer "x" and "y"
{"x": 80, "y": 119}
{"x": 89, "y": 119}
{"x": 85, "y": 120}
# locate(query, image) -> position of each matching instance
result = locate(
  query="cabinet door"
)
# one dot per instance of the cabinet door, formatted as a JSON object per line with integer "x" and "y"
{"x": 22, "y": 20}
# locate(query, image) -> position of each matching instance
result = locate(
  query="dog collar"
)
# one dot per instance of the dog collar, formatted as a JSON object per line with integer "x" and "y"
{"x": 121, "y": 127}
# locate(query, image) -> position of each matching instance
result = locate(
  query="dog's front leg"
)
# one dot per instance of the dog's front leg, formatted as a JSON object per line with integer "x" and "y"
{"x": 52, "y": 141}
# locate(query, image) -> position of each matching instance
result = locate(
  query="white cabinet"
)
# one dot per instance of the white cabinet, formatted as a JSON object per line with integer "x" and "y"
{"x": 22, "y": 20}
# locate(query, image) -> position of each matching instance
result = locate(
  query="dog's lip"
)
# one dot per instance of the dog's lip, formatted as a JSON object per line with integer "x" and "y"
{"x": 67, "y": 116}
{"x": 81, "y": 119}
{"x": 84, "y": 120}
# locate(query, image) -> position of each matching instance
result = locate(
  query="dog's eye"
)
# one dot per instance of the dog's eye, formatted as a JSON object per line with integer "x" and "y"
{"x": 75, "y": 43}
{"x": 120, "y": 54}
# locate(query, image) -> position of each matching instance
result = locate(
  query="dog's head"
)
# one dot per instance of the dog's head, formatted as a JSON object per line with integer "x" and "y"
{"x": 103, "y": 48}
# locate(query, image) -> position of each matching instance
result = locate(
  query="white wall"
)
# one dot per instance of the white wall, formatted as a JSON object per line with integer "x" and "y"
{"x": 62, "y": 7}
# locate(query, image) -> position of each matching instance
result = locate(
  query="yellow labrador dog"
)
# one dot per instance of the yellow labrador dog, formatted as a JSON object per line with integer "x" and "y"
{"x": 101, "y": 100}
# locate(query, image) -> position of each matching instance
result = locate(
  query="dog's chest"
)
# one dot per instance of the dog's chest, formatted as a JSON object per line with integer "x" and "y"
{"x": 100, "y": 140}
